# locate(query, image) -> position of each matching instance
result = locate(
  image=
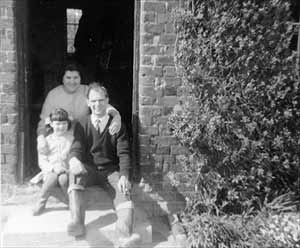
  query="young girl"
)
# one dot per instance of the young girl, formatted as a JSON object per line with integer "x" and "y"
{"x": 53, "y": 160}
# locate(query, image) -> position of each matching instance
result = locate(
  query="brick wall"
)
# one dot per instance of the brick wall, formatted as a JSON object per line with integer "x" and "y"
{"x": 158, "y": 90}
{"x": 159, "y": 87}
{"x": 8, "y": 93}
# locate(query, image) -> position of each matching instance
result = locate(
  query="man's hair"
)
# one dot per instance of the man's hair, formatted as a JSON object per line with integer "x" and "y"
{"x": 60, "y": 114}
{"x": 97, "y": 87}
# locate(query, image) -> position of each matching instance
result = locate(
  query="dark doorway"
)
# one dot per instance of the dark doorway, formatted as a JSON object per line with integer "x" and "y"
{"x": 103, "y": 46}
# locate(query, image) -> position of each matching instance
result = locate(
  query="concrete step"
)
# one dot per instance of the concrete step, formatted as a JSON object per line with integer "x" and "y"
{"x": 24, "y": 230}
{"x": 21, "y": 229}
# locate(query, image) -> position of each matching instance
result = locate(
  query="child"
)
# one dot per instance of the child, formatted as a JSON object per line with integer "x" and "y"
{"x": 53, "y": 159}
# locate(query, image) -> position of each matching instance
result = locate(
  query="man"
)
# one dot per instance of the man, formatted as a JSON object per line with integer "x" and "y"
{"x": 101, "y": 159}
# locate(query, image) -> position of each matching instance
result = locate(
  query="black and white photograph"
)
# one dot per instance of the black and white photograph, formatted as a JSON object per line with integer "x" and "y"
{"x": 150, "y": 123}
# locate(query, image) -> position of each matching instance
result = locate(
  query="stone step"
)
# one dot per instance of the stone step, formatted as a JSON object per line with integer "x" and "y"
{"x": 23, "y": 229}
{"x": 49, "y": 229}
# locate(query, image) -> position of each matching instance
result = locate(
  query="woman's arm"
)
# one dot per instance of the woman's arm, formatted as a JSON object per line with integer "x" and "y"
{"x": 48, "y": 106}
{"x": 115, "y": 125}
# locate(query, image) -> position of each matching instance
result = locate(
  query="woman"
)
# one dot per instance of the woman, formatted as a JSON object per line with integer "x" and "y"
{"x": 71, "y": 96}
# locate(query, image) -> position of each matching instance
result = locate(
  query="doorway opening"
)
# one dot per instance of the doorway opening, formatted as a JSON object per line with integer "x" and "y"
{"x": 100, "y": 40}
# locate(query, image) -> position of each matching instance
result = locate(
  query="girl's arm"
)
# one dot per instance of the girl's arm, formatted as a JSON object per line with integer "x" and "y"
{"x": 44, "y": 163}
{"x": 115, "y": 125}
{"x": 43, "y": 160}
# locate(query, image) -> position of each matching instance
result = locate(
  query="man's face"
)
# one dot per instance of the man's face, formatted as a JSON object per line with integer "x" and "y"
{"x": 97, "y": 102}
{"x": 71, "y": 81}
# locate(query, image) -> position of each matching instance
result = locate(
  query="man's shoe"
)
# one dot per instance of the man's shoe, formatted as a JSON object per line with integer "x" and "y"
{"x": 131, "y": 241}
{"x": 76, "y": 229}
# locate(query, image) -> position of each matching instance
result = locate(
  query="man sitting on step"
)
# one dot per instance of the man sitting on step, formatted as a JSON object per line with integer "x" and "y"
{"x": 99, "y": 158}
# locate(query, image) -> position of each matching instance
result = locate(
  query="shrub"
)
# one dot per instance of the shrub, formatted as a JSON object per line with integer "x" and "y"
{"x": 270, "y": 227}
{"x": 242, "y": 123}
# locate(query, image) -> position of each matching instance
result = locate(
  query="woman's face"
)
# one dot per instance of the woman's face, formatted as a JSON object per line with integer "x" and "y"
{"x": 71, "y": 81}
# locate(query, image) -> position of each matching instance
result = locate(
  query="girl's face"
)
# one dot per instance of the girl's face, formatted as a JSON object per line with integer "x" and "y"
{"x": 59, "y": 127}
{"x": 71, "y": 81}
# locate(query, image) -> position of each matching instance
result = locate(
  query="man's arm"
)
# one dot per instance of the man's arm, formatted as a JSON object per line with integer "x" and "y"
{"x": 76, "y": 154}
{"x": 123, "y": 152}
{"x": 78, "y": 146}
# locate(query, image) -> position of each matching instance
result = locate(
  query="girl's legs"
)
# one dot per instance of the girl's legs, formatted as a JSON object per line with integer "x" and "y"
{"x": 50, "y": 181}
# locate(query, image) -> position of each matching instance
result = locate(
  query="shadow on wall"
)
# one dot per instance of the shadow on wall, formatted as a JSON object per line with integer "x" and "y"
{"x": 168, "y": 201}
{"x": 165, "y": 202}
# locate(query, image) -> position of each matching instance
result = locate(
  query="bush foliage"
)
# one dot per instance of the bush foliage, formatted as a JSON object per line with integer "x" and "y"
{"x": 242, "y": 125}
{"x": 240, "y": 119}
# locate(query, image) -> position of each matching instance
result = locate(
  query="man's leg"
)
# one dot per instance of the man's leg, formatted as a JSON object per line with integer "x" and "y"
{"x": 63, "y": 182}
{"x": 125, "y": 213}
{"x": 50, "y": 181}
{"x": 77, "y": 184}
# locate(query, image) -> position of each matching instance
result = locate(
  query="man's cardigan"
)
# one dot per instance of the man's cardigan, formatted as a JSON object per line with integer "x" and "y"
{"x": 101, "y": 150}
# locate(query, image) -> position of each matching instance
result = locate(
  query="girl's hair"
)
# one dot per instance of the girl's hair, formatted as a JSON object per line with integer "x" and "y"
{"x": 60, "y": 114}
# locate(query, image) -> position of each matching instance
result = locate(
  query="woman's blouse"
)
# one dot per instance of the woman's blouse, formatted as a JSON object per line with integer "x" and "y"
{"x": 74, "y": 103}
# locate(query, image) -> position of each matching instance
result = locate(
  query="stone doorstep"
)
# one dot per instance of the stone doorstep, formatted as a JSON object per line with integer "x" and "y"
{"x": 49, "y": 229}
{"x": 96, "y": 199}
{"x": 23, "y": 229}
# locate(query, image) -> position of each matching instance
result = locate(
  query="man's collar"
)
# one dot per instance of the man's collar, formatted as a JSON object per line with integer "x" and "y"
{"x": 95, "y": 119}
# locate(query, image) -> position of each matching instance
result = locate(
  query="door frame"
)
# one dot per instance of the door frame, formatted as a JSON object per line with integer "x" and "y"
{"x": 21, "y": 25}
{"x": 135, "y": 91}
{"x": 21, "y": 20}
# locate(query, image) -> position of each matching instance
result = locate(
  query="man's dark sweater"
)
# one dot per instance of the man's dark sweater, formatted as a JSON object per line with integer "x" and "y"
{"x": 101, "y": 150}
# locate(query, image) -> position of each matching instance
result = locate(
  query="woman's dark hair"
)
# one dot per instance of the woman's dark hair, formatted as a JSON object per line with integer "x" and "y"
{"x": 59, "y": 114}
{"x": 72, "y": 67}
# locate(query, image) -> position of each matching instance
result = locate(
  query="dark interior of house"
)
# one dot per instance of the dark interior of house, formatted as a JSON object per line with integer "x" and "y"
{"x": 96, "y": 34}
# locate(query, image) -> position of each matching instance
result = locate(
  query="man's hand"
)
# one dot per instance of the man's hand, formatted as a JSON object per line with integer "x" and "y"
{"x": 76, "y": 167}
{"x": 42, "y": 146}
{"x": 124, "y": 185}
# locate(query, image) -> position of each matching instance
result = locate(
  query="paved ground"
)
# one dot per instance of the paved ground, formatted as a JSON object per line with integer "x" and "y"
{"x": 20, "y": 229}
